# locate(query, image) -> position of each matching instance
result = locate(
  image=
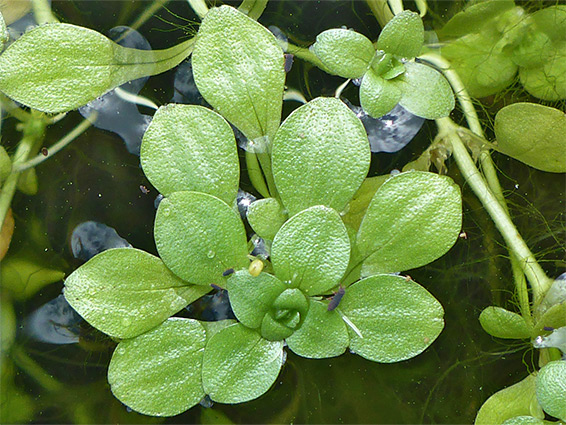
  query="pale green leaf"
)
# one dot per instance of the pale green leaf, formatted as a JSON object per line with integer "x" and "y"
{"x": 425, "y": 92}
{"x": 403, "y": 35}
{"x": 60, "y": 67}
{"x": 360, "y": 202}
{"x": 377, "y": 95}
{"x": 239, "y": 365}
{"x": 159, "y": 373}
{"x": 390, "y": 318}
{"x": 251, "y": 297}
{"x": 239, "y": 69}
{"x": 502, "y": 323}
{"x": 3, "y": 32}
{"x": 474, "y": 17}
{"x": 199, "y": 237}
{"x": 552, "y": 21}
{"x": 188, "y": 147}
{"x": 517, "y": 400}
{"x": 322, "y": 335}
{"x": 212, "y": 328}
{"x": 533, "y": 134}
{"x": 124, "y": 292}
{"x": 525, "y": 420}
{"x": 547, "y": 82}
{"x": 312, "y": 250}
{"x": 7, "y": 325}
{"x": 551, "y": 389}
{"x": 554, "y": 317}
{"x": 344, "y": 52}
{"x": 27, "y": 182}
{"x": 24, "y": 276}
{"x": 320, "y": 156}
{"x": 414, "y": 218}
{"x": 266, "y": 216}
{"x": 5, "y": 164}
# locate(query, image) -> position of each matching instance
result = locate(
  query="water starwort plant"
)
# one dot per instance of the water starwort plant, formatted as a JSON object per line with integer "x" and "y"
{"x": 337, "y": 239}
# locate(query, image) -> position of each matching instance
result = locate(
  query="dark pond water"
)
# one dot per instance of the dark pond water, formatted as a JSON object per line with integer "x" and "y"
{"x": 97, "y": 179}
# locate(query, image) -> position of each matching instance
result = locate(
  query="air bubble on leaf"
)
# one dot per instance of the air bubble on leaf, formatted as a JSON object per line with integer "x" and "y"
{"x": 111, "y": 111}
{"x": 280, "y": 36}
{"x": 206, "y": 402}
{"x": 391, "y": 132}
{"x": 185, "y": 88}
{"x": 394, "y": 172}
{"x": 262, "y": 249}
{"x": 243, "y": 200}
{"x": 54, "y": 322}
{"x": 557, "y": 339}
{"x": 158, "y": 200}
{"x": 357, "y": 81}
{"x": 258, "y": 145}
{"x": 210, "y": 254}
{"x": 91, "y": 237}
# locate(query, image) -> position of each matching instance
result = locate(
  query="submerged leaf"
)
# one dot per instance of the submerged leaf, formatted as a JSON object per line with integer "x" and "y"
{"x": 189, "y": 147}
{"x": 238, "y": 67}
{"x": 199, "y": 236}
{"x": 124, "y": 292}
{"x": 390, "y": 318}
{"x": 239, "y": 365}
{"x": 502, "y": 323}
{"x": 159, "y": 373}
{"x": 548, "y": 81}
{"x": 60, "y": 67}
{"x": 320, "y": 156}
{"x": 533, "y": 134}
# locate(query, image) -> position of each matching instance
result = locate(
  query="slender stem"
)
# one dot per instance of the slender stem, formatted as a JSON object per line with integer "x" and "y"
{"x": 28, "y": 365}
{"x": 306, "y": 54}
{"x": 381, "y": 11}
{"x": 10, "y": 106}
{"x": 72, "y": 135}
{"x": 199, "y": 6}
{"x": 42, "y": 12}
{"x": 517, "y": 246}
{"x": 148, "y": 13}
{"x": 253, "y": 8}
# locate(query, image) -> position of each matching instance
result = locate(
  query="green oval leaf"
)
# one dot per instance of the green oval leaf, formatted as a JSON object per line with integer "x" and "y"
{"x": 377, "y": 95}
{"x": 199, "y": 237}
{"x": 474, "y": 17}
{"x": 533, "y": 134}
{"x": 188, "y": 147}
{"x": 124, "y": 292}
{"x": 403, "y": 35}
{"x": 320, "y": 156}
{"x": 390, "y": 318}
{"x": 60, "y": 67}
{"x": 502, "y": 323}
{"x": 525, "y": 420}
{"x": 24, "y": 276}
{"x": 517, "y": 400}
{"x": 425, "y": 92}
{"x": 159, "y": 373}
{"x": 239, "y": 69}
{"x": 312, "y": 250}
{"x": 551, "y": 389}
{"x": 414, "y": 218}
{"x": 266, "y": 216}
{"x": 239, "y": 365}
{"x": 322, "y": 335}
{"x": 344, "y": 52}
{"x": 548, "y": 81}
{"x": 251, "y": 297}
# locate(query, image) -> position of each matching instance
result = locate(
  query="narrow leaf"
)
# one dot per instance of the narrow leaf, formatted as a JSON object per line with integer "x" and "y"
{"x": 390, "y": 318}
{"x": 199, "y": 237}
{"x": 312, "y": 250}
{"x": 124, "y": 292}
{"x": 320, "y": 156}
{"x": 159, "y": 373}
{"x": 403, "y": 35}
{"x": 60, "y": 67}
{"x": 239, "y": 365}
{"x": 239, "y": 69}
{"x": 345, "y": 53}
{"x": 189, "y": 147}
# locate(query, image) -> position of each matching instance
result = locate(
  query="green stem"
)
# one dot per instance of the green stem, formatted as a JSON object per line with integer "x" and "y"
{"x": 381, "y": 11}
{"x": 253, "y": 8}
{"x": 537, "y": 278}
{"x": 10, "y": 106}
{"x": 200, "y": 7}
{"x": 148, "y": 13}
{"x": 28, "y": 365}
{"x": 306, "y": 54}
{"x": 42, "y": 12}
{"x": 56, "y": 147}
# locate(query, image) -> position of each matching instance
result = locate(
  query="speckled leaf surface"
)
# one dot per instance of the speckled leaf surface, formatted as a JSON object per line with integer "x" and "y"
{"x": 426, "y": 93}
{"x": 239, "y": 365}
{"x": 188, "y": 147}
{"x": 344, "y": 52}
{"x": 502, "y": 323}
{"x": 320, "y": 156}
{"x": 533, "y": 134}
{"x": 199, "y": 236}
{"x": 403, "y": 35}
{"x": 251, "y": 297}
{"x": 159, "y": 373}
{"x": 124, "y": 292}
{"x": 60, "y": 67}
{"x": 551, "y": 389}
{"x": 397, "y": 318}
{"x": 266, "y": 216}
{"x": 322, "y": 335}
{"x": 312, "y": 250}
{"x": 377, "y": 95}
{"x": 238, "y": 67}
{"x": 414, "y": 218}
{"x": 516, "y": 400}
